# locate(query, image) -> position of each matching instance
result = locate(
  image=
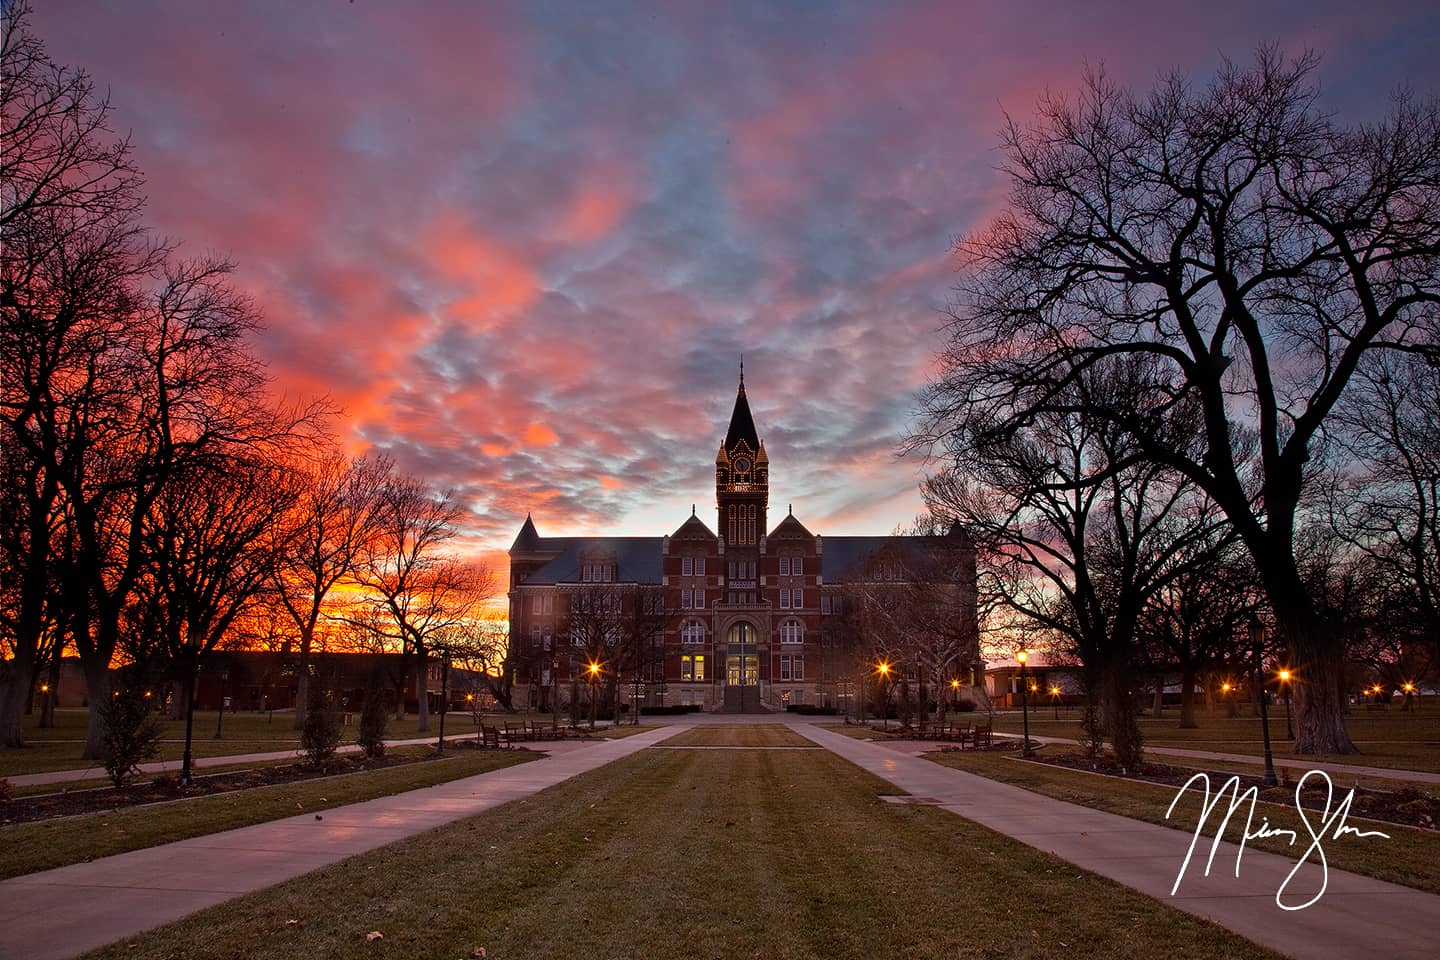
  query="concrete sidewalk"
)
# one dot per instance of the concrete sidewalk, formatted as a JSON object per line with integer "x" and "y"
{"x": 1286, "y": 763}
{"x": 1356, "y": 916}
{"x": 200, "y": 763}
{"x": 64, "y": 912}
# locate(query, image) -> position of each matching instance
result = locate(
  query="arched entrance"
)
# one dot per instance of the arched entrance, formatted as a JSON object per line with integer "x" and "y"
{"x": 742, "y": 668}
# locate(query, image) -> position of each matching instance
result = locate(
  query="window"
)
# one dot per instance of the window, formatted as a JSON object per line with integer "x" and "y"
{"x": 796, "y": 566}
{"x": 824, "y": 603}
{"x": 692, "y": 632}
{"x": 784, "y": 667}
{"x": 549, "y": 603}
{"x": 539, "y": 604}
{"x": 687, "y": 567}
{"x": 699, "y": 566}
{"x": 797, "y": 599}
{"x": 792, "y": 632}
{"x": 797, "y": 668}
{"x": 750, "y": 567}
{"x": 692, "y": 667}
{"x": 784, "y": 566}
{"x": 784, "y": 599}
{"x": 535, "y": 636}
{"x": 547, "y": 639}
{"x": 699, "y": 599}
{"x": 732, "y": 569}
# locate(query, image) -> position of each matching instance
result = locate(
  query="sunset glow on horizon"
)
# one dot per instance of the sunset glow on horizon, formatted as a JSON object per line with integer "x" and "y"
{"x": 523, "y": 248}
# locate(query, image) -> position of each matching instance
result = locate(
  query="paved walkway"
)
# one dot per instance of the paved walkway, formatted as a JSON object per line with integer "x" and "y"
{"x": 63, "y": 912}
{"x": 1356, "y": 917}
{"x": 1287, "y": 763}
{"x": 200, "y": 763}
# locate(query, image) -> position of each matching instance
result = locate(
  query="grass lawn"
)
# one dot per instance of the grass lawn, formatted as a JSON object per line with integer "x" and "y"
{"x": 1409, "y": 857}
{"x": 31, "y": 847}
{"x": 697, "y": 854}
{"x": 58, "y": 748}
{"x": 1385, "y": 738}
{"x": 739, "y": 735}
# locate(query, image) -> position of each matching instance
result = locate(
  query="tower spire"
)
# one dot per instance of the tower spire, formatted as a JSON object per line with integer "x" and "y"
{"x": 742, "y": 371}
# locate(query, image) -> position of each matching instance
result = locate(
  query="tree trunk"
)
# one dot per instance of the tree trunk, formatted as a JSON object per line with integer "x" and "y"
{"x": 1187, "y": 698}
{"x": 422, "y": 691}
{"x": 302, "y": 694}
{"x": 14, "y": 695}
{"x": 97, "y": 685}
{"x": 1119, "y": 712}
{"x": 47, "y": 712}
{"x": 1318, "y": 690}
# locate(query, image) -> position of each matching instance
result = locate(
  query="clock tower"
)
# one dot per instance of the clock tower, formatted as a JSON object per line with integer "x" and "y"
{"x": 742, "y": 494}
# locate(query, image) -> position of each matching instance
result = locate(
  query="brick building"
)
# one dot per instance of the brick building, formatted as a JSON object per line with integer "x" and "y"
{"x": 731, "y": 618}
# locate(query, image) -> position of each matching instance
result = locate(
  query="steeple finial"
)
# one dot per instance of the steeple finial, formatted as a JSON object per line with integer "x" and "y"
{"x": 692, "y": 509}
{"x": 742, "y": 371}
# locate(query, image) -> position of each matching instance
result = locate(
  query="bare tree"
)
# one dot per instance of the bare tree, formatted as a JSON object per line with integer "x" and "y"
{"x": 404, "y": 573}
{"x": 1083, "y": 530}
{"x": 332, "y": 520}
{"x": 70, "y": 250}
{"x": 1387, "y": 505}
{"x": 1251, "y": 249}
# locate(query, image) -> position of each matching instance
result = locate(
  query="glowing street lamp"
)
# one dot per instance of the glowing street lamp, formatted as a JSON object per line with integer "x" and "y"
{"x": 1409, "y": 689}
{"x": 954, "y": 692}
{"x": 883, "y": 668}
{"x": 592, "y": 673}
{"x": 1285, "y": 676}
{"x": 1055, "y": 699}
{"x": 1023, "y": 656}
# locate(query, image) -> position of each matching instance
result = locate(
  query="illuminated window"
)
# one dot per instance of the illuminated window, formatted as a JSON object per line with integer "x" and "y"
{"x": 692, "y": 667}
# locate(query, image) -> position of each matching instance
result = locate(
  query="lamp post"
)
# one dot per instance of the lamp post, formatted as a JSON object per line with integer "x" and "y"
{"x": 444, "y": 699}
{"x": 1285, "y": 685}
{"x": 1023, "y": 656}
{"x": 224, "y": 675}
{"x": 1257, "y": 642}
{"x": 592, "y": 673}
{"x": 883, "y": 669}
{"x": 1055, "y": 699}
{"x": 185, "y": 759}
{"x": 954, "y": 693}
{"x": 554, "y": 696}
{"x": 1409, "y": 689}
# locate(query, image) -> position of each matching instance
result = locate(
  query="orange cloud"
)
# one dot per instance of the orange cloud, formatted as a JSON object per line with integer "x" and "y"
{"x": 540, "y": 435}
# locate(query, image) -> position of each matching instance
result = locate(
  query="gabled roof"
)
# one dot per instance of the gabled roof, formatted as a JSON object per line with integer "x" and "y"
{"x": 789, "y": 528}
{"x": 637, "y": 559}
{"x": 693, "y": 529}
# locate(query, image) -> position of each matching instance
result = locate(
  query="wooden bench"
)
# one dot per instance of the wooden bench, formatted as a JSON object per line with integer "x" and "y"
{"x": 489, "y": 737}
{"x": 983, "y": 736}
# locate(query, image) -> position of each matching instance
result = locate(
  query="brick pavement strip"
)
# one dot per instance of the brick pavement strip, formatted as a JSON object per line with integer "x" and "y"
{"x": 1356, "y": 916}
{"x": 64, "y": 912}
